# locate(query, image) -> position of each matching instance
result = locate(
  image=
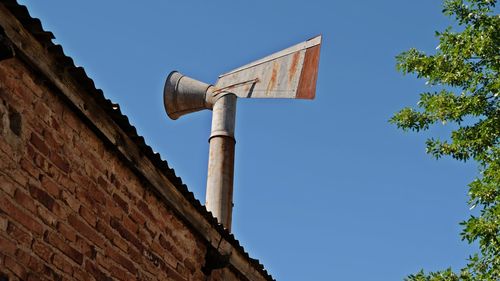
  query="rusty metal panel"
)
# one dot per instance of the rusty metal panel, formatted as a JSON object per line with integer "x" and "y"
{"x": 307, "y": 83}
{"x": 290, "y": 73}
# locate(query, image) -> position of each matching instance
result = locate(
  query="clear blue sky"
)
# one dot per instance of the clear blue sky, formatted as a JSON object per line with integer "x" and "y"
{"x": 324, "y": 189}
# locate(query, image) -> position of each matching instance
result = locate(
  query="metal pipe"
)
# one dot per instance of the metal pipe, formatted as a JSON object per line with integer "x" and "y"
{"x": 219, "y": 197}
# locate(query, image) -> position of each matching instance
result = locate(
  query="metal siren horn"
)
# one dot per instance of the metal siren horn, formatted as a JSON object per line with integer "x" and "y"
{"x": 183, "y": 95}
{"x": 290, "y": 73}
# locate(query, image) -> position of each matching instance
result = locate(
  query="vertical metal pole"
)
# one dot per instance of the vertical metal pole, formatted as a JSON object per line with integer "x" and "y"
{"x": 219, "y": 197}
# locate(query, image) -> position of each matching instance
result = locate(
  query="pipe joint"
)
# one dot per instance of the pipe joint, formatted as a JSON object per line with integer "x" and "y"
{"x": 223, "y": 134}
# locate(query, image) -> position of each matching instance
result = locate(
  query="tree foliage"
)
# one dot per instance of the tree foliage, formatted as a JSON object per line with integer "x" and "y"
{"x": 464, "y": 76}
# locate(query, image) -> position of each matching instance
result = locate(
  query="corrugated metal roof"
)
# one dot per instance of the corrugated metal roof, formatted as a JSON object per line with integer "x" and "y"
{"x": 34, "y": 26}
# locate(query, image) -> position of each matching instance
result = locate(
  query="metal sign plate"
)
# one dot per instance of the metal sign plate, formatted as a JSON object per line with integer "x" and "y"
{"x": 290, "y": 73}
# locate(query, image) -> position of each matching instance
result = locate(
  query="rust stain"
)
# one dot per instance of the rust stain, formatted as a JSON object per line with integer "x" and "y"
{"x": 293, "y": 66}
{"x": 245, "y": 84}
{"x": 307, "y": 82}
{"x": 272, "y": 82}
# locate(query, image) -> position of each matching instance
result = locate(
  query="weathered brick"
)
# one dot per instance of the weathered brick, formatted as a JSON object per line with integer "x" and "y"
{"x": 96, "y": 193}
{"x": 85, "y": 230}
{"x": 42, "y": 111}
{"x": 148, "y": 266}
{"x": 66, "y": 231}
{"x": 135, "y": 190}
{"x": 126, "y": 234}
{"x": 130, "y": 224}
{"x": 189, "y": 264}
{"x": 96, "y": 162}
{"x": 135, "y": 255}
{"x": 102, "y": 212}
{"x": 145, "y": 209}
{"x": 51, "y": 187}
{"x": 39, "y": 144}
{"x": 118, "y": 199}
{"x": 176, "y": 225}
{"x": 173, "y": 274}
{"x": 87, "y": 198}
{"x": 18, "y": 177}
{"x": 70, "y": 201}
{"x": 164, "y": 243}
{"x": 86, "y": 248}
{"x": 165, "y": 255}
{"x": 46, "y": 216}
{"x": 43, "y": 251}
{"x": 103, "y": 183}
{"x": 22, "y": 257}
{"x": 24, "y": 200}
{"x": 119, "y": 273}
{"x": 144, "y": 236}
{"x": 14, "y": 212}
{"x": 66, "y": 249}
{"x": 31, "y": 152}
{"x": 50, "y": 170}
{"x": 42, "y": 197}
{"x": 181, "y": 269}
{"x": 113, "y": 210}
{"x": 81, "y": 275}
{"x": 22, "y": 237}
{"x": 150, "y": 228}
{"x": 55, "y": 143}
{"x": 77, "y": 176}
{"x": 59, "y": 210}
{"x": 121, "y": 260}
{"x": 28, "y": 166}
{"x": 52, "y": 274}
{"x": 7, "y": 186}
{"x": 32, "y": 83}
{"x": 155, "y": 258}
{"x": 90, "y": 170}
{"x": 121, "y": 243}
{"x": 36, "y": 265}
{"x": 137, "y": 217}
{"x": 54, "y": 123}
{"x": 106, "y": 230}
{"x": 15, "y": 267}
{"x": 61, "y": 263}
{"x": 102, "y": 261}
{"x": 7, "y": 247}
{"x": 3, "y": 273}
{"x": 65, "y": 182}
{"x": 88, "y": 216}
{"x": 36, "y": 125}
{"x": 60, "y": 162}
{"x": 31, "y": 276}
{"x": 40, "y": 162}
{"x": 3, "y": 223}
{"x": 176, "y": 253}
{"x": 103, "y": 228}
{"x": 93, "y": 270}
{"x": 71, "y": 120}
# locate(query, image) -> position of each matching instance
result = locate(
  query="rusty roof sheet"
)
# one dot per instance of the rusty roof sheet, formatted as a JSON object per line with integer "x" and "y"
{"x": 34, "y": 26}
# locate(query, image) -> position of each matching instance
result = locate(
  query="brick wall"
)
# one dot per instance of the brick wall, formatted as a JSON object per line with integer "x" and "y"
{"x": 69, "y": 208}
